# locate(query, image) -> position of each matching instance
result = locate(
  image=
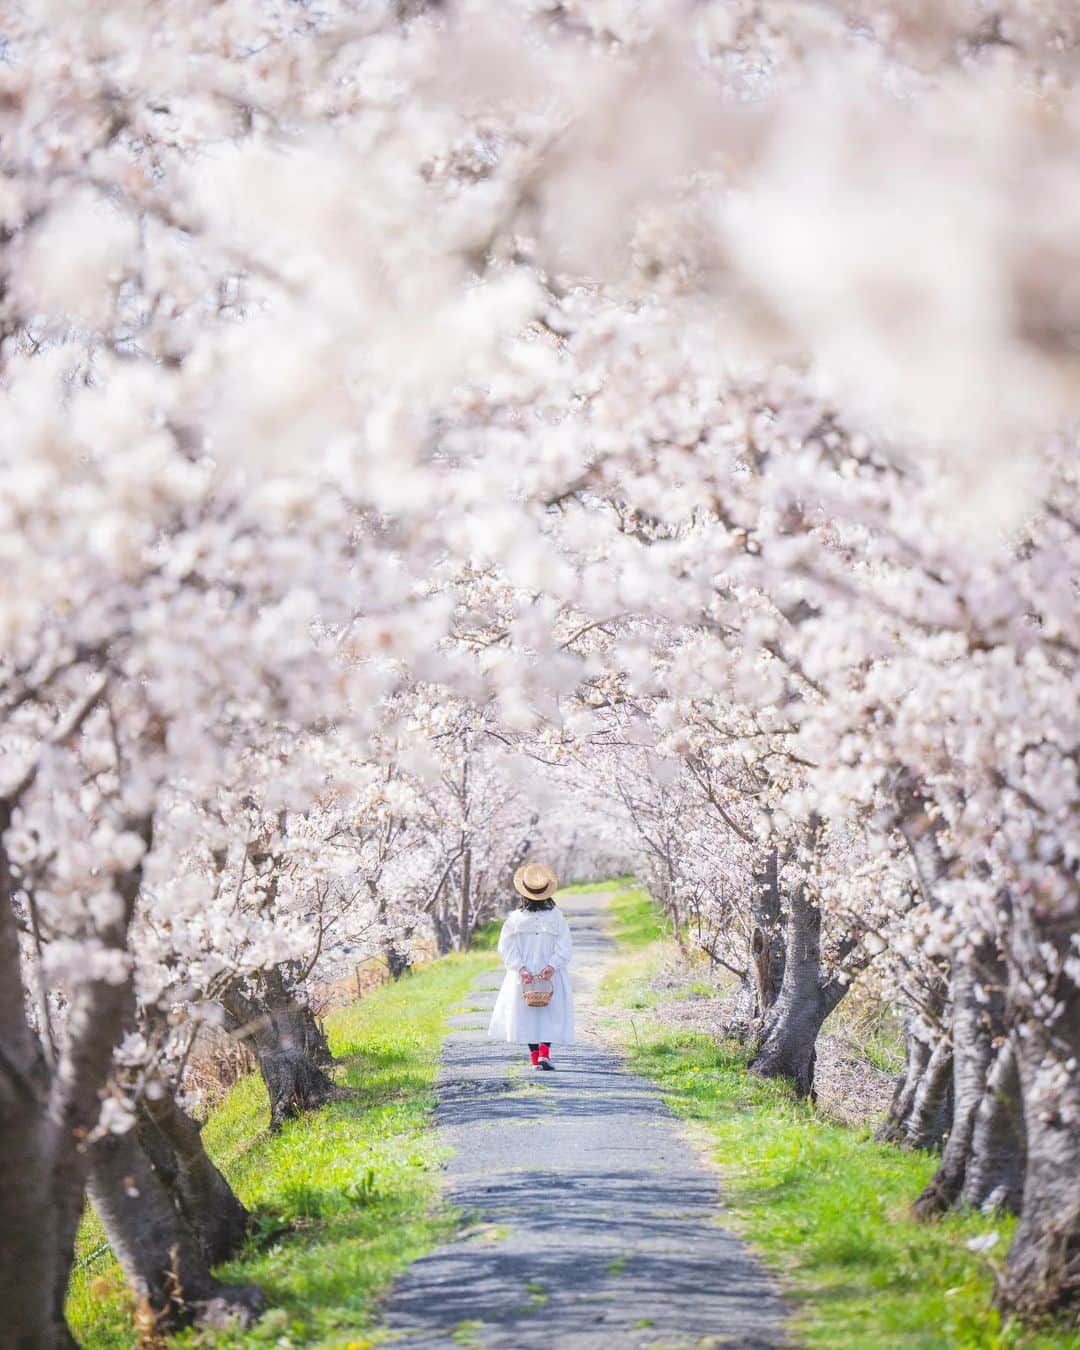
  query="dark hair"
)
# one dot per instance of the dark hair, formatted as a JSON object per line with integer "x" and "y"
{"x": 533, "y": 905}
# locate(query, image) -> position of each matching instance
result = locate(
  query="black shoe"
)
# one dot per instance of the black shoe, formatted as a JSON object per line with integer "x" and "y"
{"x": 545, "y": 1063}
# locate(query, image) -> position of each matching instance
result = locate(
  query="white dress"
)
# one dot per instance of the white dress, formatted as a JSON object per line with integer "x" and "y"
{"x": 534, "y": 939}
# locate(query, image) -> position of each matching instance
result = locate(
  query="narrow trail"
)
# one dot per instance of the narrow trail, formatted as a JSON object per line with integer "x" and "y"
{"x": 591, "y": 1222}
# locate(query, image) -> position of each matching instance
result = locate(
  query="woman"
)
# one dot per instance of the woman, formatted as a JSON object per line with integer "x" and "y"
{"x": 535, "y": 944}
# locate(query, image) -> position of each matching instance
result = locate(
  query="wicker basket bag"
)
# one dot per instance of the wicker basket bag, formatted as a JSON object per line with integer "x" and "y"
{"x": 538, "y": 994}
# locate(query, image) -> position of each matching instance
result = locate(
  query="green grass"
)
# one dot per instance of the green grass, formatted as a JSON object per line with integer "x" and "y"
{"x": 587, "y": 887}
{"x": 822, "y": 1202}
{"x": 344, "y": 1197}
{"x": 485, "y": 937}
{"x": 637, "y": 921}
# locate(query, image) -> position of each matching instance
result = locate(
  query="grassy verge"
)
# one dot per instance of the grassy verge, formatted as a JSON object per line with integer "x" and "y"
{"x": 585, "y": 887}
{"x": 638, "y": 924}
{"x": 485, "y": 938}
{"x": 344, "y": 1198}
{"x": 822, "y": 1202}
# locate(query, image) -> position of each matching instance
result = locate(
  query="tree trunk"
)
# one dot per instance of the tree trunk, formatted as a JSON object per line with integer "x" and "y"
{"x": 1042, "y": 1272}
{"x": 295, "y": 1084}
{"x": 31, "y": 1264}
{"x": 444, "y": 940}
{"x": 464, "y": 925}
{"x": 766, "y": 939}
{"x": 893, "y": 1128}
{"x": 930, "y": 1112}
{"x": 173, "y": 1142}
{"x": 281, "y": 1033}
{"x": 787, "y": 1046}
{"x": 995, "y": 1174}
{"x": 27, "y": 1237}
{"x": 977, "y": 1013}
{"x": 159, "y": 1255}
{"x": 1042, "y": 1269}
{"x": 972, "y": 1053}
{"x": 98, "y": 1014}
{"x": 397, "y": 963}
{"x": 921, "y": 1109}
{"x": 46, "y": 1111}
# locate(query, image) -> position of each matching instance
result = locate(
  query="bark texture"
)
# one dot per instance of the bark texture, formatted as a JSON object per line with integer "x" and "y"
{"x": 1042, "y": 1269}
{"x": 158, "y": 1253}
{"x": 288, "y": 1045}
{"x": 767, "y": 938}
{"x": 994, "y": 1179}
{"x": 787, "y": 1048}
{"x": 966, "y": 1174}
{"x": 27, "y": 1239}
{"x": 917, "y": 1051}
{"x": 931, "y": 1111}
{"x": 207, "y": 1203}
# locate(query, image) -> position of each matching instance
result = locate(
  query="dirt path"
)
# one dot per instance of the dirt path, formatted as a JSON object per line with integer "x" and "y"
{"x": 592, "y": 1225}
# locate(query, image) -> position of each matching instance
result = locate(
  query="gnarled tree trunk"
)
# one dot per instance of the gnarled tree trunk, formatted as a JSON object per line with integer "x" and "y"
{"x": 893, "y": 1129}
{"x": 787, "y": 1048}
{"x": 288, "y": 1045}
{"x": 1042, "y": 1272}
{"x": 977, "y": 1023}
{"x": 921, "y": 1108}
{"x": 994, "y": 1179}
{"x": 157, "y": 1251}
{"x": 931, "y": 1110}
{"x": 208, "y": 1204}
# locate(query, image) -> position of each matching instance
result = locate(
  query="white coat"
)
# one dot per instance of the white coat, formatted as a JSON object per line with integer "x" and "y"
{"x": 534, "y": 939}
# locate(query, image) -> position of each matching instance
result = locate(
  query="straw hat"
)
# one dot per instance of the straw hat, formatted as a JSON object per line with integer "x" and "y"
{"x": 535, "y": 881}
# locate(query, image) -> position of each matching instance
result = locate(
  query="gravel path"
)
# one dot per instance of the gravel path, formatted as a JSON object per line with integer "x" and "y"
{"x": 590, "y": 1222}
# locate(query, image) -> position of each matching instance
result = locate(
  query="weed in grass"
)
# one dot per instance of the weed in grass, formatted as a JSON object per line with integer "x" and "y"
{"x": 485, "y": 1233}
{"x": 266, "y": 1229}
{"x": 363, "y": 1192}
{"x": 467, "y": 1333}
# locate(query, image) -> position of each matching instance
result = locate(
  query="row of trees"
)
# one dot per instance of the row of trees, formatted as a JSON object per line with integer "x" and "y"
{"x": 886, "y": 774}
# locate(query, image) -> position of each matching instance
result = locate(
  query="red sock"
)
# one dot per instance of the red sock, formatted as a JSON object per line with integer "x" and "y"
{"x": 545, "y": 1050}
{"x": 534, "y": 1056}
